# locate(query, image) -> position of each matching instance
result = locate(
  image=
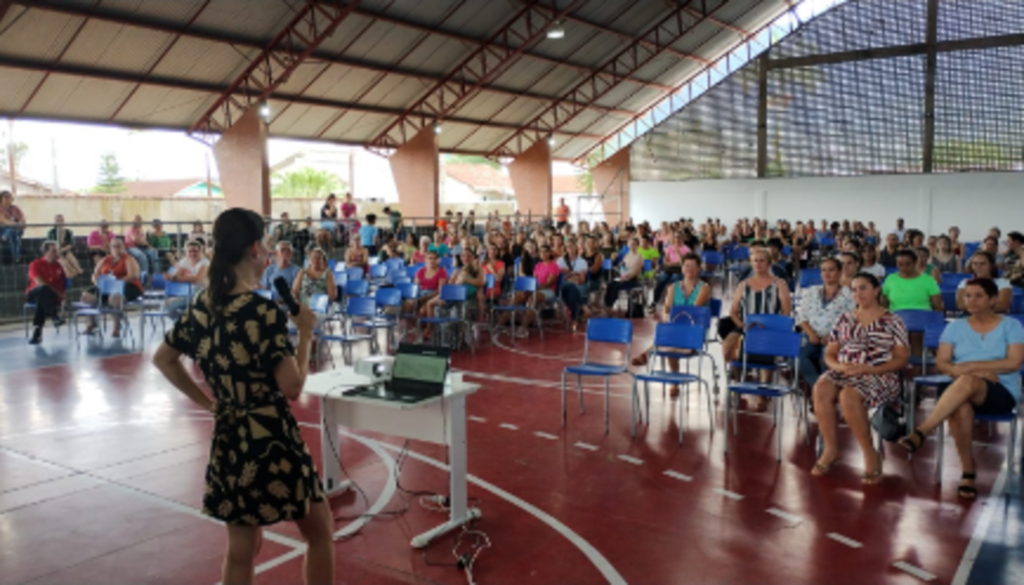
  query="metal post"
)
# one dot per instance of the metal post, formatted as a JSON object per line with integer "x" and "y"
{"x": 762, "y": 115}
{"x": 928, "y": 140}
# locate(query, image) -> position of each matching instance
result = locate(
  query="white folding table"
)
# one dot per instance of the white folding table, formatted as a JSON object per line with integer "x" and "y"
{"x": 440, "y": 420}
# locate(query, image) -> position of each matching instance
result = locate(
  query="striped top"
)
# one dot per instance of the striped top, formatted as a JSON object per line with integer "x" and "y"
{"x": 761, "y": 302}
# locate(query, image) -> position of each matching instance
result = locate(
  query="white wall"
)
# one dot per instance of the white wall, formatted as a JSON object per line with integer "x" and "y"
{"x": 973, "y": 201}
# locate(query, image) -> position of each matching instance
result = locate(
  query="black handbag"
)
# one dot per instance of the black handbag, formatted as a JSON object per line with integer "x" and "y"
{"x": 888, "y": 423}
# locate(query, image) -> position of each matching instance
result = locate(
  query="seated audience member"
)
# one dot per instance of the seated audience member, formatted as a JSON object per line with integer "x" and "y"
{"x": 191, "y": 269}
{"x": 982, "y": 266}
{"x": 66, "y": 242}
{"x": 1014, "y": 248}
{"x": 470, "y": 276}
{"x": 820, "y": 308}
{"x": 138, "y": 246}
{"x": 991, "y": 245}
{"x": 357, "y": 255}
{"x": 849, "y": 263}
{"x": 945, "y": 259}
{"x": 99, "y": 242}
{"x": 430, "y": 279}
{"x": 866, "y": 351}
{"x": 908, "y": 289}
{"x": 528, "y": 259}
{"x": 776, "y": 270}
{"x": 46, "y": 289}
{"x": 369, "y": 236}
{"x": 493, "y": 264}
{"x": 629, "y": 274}
{"x": 595, "y": 264}
{"x": 887, "y": 256}
{"x": 303, "y": 238}
{"x": 869, "y": 258}
{"x": 281, "y": 267}
{"x": 123, "y": 267}
{"x": 690, "y": 291}
{"x": 391, "y": 250}
{"x": 12, "y": 224}
{"x": 924, "y": 263}
{"x": 199, "y": 235}
{"x": 284, "y": 231}
{"x": 420, "y": 255}
{"x": 314, "y": 279}
{"x": 781, "y": 267}
{"x": 409, "y": 248}
{"x": 762, "y": 293}
{"x": 162, "y": 242}
{"x": 574, "y": 289}
{"x": 955, "y": 245}
{"x": 673, "y": 252}
{"x": 546, "y": 272}
{"x": 649, "y": 252}
{"x": 439, "y": 245}
{"x": 983, "y": 355}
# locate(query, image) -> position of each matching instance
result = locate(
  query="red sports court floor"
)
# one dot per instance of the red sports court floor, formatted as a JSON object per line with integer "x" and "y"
{"x": 101, "y": 474}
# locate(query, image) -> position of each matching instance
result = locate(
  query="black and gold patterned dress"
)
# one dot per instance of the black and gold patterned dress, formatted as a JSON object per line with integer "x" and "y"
{"x": 260, "y": 471}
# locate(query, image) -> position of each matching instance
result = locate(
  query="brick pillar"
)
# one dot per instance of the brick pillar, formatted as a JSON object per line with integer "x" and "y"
{"x": 241, "y": 155}
{"x": 531, "y": 180}
{"x": 611, "y": 183}
{"x": 416, "y": 166}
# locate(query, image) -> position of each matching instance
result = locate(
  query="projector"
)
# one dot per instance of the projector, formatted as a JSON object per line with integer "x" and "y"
{"x": 376, "y": 367}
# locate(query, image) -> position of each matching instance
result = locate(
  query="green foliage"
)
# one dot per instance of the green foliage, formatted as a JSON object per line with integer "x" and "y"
{"x": 471, "y": 159}
{"x": 306, "y": 183}
{"x": 965, "y": 154}
{"x": 111, "y": 180}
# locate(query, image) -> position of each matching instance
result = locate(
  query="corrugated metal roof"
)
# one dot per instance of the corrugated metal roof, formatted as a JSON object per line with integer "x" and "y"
{"x": 163, "y": 64}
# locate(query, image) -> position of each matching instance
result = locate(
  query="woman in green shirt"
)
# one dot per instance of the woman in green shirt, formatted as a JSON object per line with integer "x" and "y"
{"x": 648, "y": 251}
{"x": 908, "y": 289}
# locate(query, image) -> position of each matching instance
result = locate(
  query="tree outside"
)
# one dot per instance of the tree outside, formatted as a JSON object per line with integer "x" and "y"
{"x": 110, "y": 180}
{"x": 20, "y": 149}
{"x": 306, "y": 183}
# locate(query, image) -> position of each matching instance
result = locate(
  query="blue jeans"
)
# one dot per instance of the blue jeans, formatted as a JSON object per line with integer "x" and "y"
{"x": 665, "y": 280}
{"x": 810, "y": 356}
{"x": 574, "y": 296}
{"x": 13, "y": 237}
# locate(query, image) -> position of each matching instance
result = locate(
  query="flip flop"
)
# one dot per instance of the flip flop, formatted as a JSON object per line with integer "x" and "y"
{"x": 908, "y": 442}
{"x": 822, "y": 469}
{"x": 968, "y": 492}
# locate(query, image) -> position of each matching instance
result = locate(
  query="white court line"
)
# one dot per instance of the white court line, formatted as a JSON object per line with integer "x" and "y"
{"x": 791, "y": 518}
{"x": 915, "y": 571}
{"x": 478, "y": 419}
{"x": 844, "y": 539}
{"x": 679, "y": 476}
{"x": 596, "y": 558}
{"x": 729, "y": 494}
{"x": 546, "y": 435}
{"x": 586, "y": 446}
{"x": 994, "y": 501}
{"x": 508, "y": 426}
{"x": 633, "y": 460}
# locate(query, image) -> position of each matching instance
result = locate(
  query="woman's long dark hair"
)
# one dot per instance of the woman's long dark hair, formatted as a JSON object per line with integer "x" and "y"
{"x": 234, "y": 232}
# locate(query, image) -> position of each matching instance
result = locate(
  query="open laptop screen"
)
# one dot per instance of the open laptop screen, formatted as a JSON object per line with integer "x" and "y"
{"x": 430, "y": 369}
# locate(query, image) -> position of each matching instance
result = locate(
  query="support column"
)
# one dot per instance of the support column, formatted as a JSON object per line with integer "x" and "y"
{"x": 241, "y": 155}
{"x": 611, "y": 184}
{"x": 531, "y": 180}
{"x": 762, "y": 116}
{"x": 931, "y": 37}
{"x": 416, "y": 166}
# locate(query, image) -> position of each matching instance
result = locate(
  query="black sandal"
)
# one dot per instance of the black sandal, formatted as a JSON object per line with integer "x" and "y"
{"x": 908, "y": 441}
{"x": 967, "y": 492}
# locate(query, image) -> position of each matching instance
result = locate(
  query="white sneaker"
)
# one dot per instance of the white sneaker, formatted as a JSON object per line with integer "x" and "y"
{"x": 521, "y": 333}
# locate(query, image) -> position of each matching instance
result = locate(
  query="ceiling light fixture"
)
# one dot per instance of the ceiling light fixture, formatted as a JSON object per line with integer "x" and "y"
{"x": 437, "y": 127}
{"x": 555, "y": 31}
{"x": 265, "y": 111}
{"x": 551, "y": 140}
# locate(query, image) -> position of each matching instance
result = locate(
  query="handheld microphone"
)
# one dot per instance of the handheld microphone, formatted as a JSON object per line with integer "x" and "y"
{"x": 281, "y": 286}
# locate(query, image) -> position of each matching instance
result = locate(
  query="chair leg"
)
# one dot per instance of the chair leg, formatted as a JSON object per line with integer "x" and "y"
{"x": 563, "y": 400}
{"x": 728, "y": 408}
{"x": 607, "y": 393}
{"x": 1010, "y": 462}
{"x": 939, "y": 436}
{"x": 632, "y": 410}
{"x": 579, "y": 390}
{"x": 682, "y": 421}
{"x": 778, "y": 428}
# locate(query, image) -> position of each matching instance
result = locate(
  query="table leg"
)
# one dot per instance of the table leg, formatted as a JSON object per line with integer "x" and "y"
{"x": 459, "y": 512}
{"x": 330, "y": 448}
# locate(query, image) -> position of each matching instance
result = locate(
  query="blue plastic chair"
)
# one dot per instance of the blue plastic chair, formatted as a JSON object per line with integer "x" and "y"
{"x": 714, "y": 262}
{"x": 357, "y": 288}
{"x": 810, "y": 277}
{"x": 668, "y": 338}
{"x": 378, "y": 273}
{"x": 601, "y": 330}
{"x": 951, "y": 280}
{"x": 932, "y": 336}
{"x": 771, "y": 343}
{"x": 411, "y": 271}
{"x": 917, "y": 321}
{"x": 394, "y": 264}
{"x": 385, "y": 298}
{"x": 356, "y": 308}
{"x": 454, "y": 296}
{"x": 699, "y": 317}
{"x": 448, "y": 263}
{"x": 172, "y": 290}
{"x": 107, "y": 286}
{"x": 410, "y": 291}
{"x": 354, "y": 273}
{"x": 772, "y": 323}
{"x": 526, "y": 284}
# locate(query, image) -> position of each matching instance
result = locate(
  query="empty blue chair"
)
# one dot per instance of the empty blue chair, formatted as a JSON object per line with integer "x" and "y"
{"x": 448, "y": 263}
{"x": 526, "y": 284}
{"x": 769, "y": 343}
{"x": 669, "y": 338}
{"x": 411, "y": 271}
{"x": 357, "y": 288}
{"x": 770, "y": 322}
{"x": 410, "y": 291}
{"x": 354, "y": 273}
{"x": 356, "y": 308}
{"x": 949, "y": 302}
{"x": 917, "y": 321}
{"x": 386, "y": 298}
{"x": 394, "y": 264}
{"x": 951, "y": 280}
{"x": 699, "y": 317}
{"x": 810, "y": 277}
{"x": 172, "y": 290}
{"x": 932, "y": 336}
{"x": 713, "y": 264}
{"x": 454, "y": 297}
{"x": 601, "y": 330}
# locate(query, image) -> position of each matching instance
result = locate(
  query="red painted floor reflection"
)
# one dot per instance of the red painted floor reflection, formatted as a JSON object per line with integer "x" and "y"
{"x": 101, "y": 469}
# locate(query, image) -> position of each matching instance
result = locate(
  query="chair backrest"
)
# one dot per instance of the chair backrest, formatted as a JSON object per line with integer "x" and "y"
{"x": 158, "y": 283}
{"x": 716, "y": 308}
{"x": 394, "y": 264}
{"x": 770, "y": 322}
{"x": 951, "y": 280}
{"x": 361, "y": 307}
{"x": 332, "y": 264}
{"x": 525, "y": 284}
{"x": 648, "y": 266}
{"x": 605, "y": 330}
{"x": 409, "y": 290}
{"x": 448, "y": 263}
{"x": 374, "y": 260}
{"x": 378, "y": 271}
{"x": 411, "y": 271}
{"x": 489, "y": 281}
{"x": 357, "y": 288}
{"x": 932, "y": 334}
{"x": 178, "y": 289}
{"x": 770, "y": 342}
{"x": 319, "y": 303}
{"x": 453, "y": 293}
{"x": 110, "y": 286}
{"x": 388, "y": 297}
{"x": 354, "y": 273}
{"x": 679, "y": 336}
{"x": 606, "y": 264}
{"x": 712, "y": 259}
{"x": 738, "y": 254}
{"x": 891, "y": 271}
{"x": 949, "y": 300}
{"x": 810, "y": 277}
{"x": 916, "y": 320}
{"x": 689, "y": 314}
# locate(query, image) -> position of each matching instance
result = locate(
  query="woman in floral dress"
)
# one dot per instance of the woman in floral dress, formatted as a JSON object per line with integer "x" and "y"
{"x": 260, "y": 471}
{"x": 865, "y": 353}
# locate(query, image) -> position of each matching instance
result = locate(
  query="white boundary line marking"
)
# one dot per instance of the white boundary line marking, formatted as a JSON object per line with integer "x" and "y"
{"x": 791, "y": 518}
{"x": 915, "y": 571}
{"x": 844, "y": 539}
{"x": 586, "y": 446}
{"x": 677, "y": 475}
{"x": 478, "y": 419}
{"x": 729, "y": 494}
{"x": 994, "y": 500}
{"x": 509, "y": 426}
{"x": 596, "y": 558}
{"x": 544, "y": 435}
{"x": 630, "y": 459}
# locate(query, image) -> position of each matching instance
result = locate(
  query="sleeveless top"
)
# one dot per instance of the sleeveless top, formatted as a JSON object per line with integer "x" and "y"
{"x": 947, "y": 266}
{"x": 311, "y": 286}
{"x": 118, "y": 269}
{"x": 681, "y": 299}
{"x": 762, "y": 302}
{"x": 589, "y": 260}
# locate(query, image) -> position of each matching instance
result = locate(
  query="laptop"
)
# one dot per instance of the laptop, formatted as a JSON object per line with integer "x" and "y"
{"x": 419, "y": 373}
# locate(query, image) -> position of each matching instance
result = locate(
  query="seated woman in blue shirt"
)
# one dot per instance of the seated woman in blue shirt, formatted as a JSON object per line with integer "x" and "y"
{"x": 983, "y": 355}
